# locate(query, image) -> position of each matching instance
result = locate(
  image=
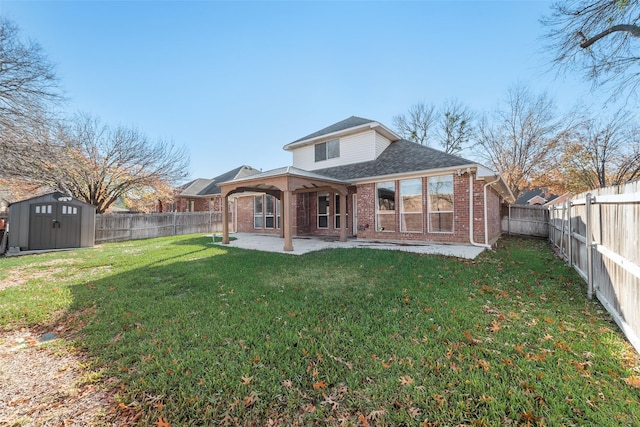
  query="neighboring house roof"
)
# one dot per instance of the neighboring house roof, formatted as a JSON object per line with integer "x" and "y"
{"x": 559, "y": 199}
{"x": 193, "y": 188}
{"x": 527, "y": 198}
{"x": 400, "y": 157}
{"x": 208, "y": 187}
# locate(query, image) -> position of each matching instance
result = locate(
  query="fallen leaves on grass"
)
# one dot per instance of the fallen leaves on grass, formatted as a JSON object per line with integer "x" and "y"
{"x": 406, "y": 380}
{"x": 633, "y": 381}
{"x": 319, "y": 385}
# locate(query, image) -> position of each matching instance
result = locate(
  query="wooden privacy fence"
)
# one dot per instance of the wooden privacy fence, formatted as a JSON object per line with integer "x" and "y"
{"x": 118, "y": 227}
{"x": 598, "y": 234}
{"x": 525, "y": 220}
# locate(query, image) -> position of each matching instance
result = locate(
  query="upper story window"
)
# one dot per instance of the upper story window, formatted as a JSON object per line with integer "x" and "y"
{"x": 327, "y": 150}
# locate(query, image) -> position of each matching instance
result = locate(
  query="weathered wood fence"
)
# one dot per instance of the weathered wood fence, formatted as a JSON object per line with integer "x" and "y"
{"x": 598, "y": 234}
{"x": 525, "y": 220}
{"x": 118, "y": 227}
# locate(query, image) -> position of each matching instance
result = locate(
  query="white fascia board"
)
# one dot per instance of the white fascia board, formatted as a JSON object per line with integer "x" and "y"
{"x": 484, "y": 172}
{"x": 487, "y": 175}
{"x": 381, "y": 129}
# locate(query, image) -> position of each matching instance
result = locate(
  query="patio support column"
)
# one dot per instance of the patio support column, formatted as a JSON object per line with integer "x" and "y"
{"x": 343, "y": 214}
{"x": 286, "y": 223}
{"x": 225, "y": 220}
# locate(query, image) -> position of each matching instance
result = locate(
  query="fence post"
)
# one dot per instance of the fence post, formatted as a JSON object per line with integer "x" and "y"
{"x": 509, "y": 221}
{"x": 552, "y": 223}
{"x": 175, "y": 215}
{"x": 562, "y": 247}
{"x": 570, "y": 232}
{"x": 130, "y": 226}
{"x": 589, "y": 249}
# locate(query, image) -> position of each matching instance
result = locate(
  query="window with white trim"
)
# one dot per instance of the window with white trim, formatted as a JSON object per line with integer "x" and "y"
{"x": 257, "y": 211}
{"x": 386, "y": 206}
{"x": 323, "y": 210}
{"x": 440, "y": 204}
{"x": 266, "y": 212}
{"x": 327, "y": 150}
{"x": 411, "y": 205}
{"x": 269, "y": 211}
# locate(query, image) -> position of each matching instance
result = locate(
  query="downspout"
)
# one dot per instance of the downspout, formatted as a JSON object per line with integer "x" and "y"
{"x": 486, "y": 221}
{"x": 482, "y": 245}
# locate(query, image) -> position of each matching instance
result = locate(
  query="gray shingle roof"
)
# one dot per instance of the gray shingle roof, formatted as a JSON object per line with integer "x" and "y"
{"x": 399, "y": 157}
{"x": 208, "y": 187}
{"x": 350, "y": 122}
{"x": 193, "y": 188}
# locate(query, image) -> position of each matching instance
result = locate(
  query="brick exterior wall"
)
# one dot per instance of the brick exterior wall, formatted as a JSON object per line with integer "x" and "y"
{"x": 367, "y": 215}
{"x": 244, "y": 207}
{"x": 306, "y": 215}
{"x": 494, "y": 218}
{"x": 200, "y": 204}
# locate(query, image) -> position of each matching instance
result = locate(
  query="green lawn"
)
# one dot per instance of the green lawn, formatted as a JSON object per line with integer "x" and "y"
{"x": 198, "y": 334}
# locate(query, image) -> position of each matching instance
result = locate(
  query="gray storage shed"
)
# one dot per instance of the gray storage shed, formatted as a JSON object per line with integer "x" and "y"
{"x": 51, "y": 221}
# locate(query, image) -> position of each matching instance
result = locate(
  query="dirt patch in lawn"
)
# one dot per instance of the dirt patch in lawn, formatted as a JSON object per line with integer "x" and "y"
{"x": 44, "y": 383}
{"x": 19, "y": 276}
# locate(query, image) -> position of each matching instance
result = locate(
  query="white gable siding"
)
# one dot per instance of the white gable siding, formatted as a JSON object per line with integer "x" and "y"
{"x": 381, "y": 144}
{"x": 356, "y": 148}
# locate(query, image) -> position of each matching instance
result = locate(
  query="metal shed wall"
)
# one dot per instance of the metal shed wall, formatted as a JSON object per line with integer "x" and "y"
{"x": 19, "y": 220}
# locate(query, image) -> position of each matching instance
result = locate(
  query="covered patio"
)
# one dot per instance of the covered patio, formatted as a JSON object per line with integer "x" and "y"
{"x": 284, "y": 184}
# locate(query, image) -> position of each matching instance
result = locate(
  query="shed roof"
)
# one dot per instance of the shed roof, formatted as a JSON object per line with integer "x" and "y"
{"x": 52, "y": 196}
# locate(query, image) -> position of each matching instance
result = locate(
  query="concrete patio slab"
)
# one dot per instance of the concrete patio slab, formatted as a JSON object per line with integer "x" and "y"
{"x": 303, "y": 245}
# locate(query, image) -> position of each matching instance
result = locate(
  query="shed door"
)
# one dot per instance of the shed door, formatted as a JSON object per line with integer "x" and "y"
{"x": 41, "y": 226}
{"x": 68, "y": 228}
{"x": 54, "y": 226}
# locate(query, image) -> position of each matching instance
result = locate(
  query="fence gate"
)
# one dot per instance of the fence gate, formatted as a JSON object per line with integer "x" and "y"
{"x": 54, "y": 225}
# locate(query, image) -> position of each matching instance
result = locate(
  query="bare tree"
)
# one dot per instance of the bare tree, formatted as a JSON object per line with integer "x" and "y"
{"x": 456, "y": 126}
{"x": 629, "y": 166}
{"x": 417, "y": 125}
{"x": 521, "y": 137}
{"x": 602, "y": 153}
{"x": 28, "y": 84}
{"x": 100, "y": 164}
{"x": 598, "y": 38}
{"x": 28, "y": 93}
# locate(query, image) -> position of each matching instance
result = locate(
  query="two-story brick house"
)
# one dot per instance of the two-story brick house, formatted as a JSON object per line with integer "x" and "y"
{"x": 358, "y": 178}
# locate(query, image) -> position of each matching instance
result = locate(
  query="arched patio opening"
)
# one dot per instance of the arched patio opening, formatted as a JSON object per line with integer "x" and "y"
{"x": 284, "y": 184}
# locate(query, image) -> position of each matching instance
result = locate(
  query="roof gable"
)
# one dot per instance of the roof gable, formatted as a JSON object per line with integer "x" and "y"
{"x": 348, "y": 123}
{"x": 341, "y": 129}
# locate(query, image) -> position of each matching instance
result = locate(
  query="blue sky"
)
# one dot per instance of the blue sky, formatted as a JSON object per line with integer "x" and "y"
{"x": 235, "y": 81}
